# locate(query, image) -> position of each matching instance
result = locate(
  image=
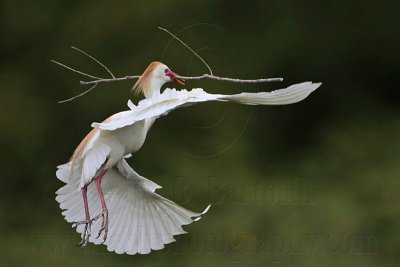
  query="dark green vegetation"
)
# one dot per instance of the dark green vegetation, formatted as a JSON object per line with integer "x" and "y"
{"x": 312, "y": 184}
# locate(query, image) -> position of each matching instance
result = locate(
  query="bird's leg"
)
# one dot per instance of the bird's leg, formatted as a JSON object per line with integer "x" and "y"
{"x": 86, "y": 233}
{"x": 104, "y": 213}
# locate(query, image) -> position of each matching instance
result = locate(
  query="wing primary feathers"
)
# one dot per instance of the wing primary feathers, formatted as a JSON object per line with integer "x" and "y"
{"x": 172, "y": 99}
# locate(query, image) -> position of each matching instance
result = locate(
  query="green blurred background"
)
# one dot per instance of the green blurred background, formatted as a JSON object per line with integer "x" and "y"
{"x": 311, "y": 184}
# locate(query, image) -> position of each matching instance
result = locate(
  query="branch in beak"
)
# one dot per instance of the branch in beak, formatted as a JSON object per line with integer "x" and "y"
{"x": 179, "y": 81}
{"x": 173, "y": 76}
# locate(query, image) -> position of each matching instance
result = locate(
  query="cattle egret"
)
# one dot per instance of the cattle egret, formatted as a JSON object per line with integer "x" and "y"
{"x": 134, "y": 219}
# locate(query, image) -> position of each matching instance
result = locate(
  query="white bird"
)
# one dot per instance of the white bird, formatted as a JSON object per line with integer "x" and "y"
{"x": 134, "y": 218}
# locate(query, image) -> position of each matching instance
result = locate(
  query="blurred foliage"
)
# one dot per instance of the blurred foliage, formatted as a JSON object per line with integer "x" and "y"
{"x": 311, "y": 184}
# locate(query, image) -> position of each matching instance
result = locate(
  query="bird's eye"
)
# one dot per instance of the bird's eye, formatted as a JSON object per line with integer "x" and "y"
{"x": 166, "y": 71}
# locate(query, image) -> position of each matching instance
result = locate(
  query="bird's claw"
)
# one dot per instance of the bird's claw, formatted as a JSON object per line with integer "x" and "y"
{"x": 104, "y": 224}
{"x": 86, "y": 233}
{"x": 88, "y": 228}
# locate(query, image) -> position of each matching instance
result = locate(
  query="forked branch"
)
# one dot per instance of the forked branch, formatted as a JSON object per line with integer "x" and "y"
{"x": 201, "y": 77}
{"x": 98, "y": 80}
{"x": 188, "y": 47}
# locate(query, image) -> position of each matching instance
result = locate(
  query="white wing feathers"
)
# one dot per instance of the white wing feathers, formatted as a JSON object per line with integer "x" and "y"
{"x": 126, "y": 171}
{"x": 93, "y": 161}
{"x": 171, "y": 99}
{"x": 139, "y": 219}
{"x": 84, "y": 169}
{"x": 63, "y": 172}
{"x": 69, "y": 171}
{"x": 292, "y": 94}
{"x": 156, "y": 106}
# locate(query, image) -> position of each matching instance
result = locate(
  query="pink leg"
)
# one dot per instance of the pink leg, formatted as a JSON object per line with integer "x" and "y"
{"x": 86, "y": 232}
{"x": 104, "y": 213}
{"x": 100, "y": 190}
{"x": 85, "y": 202}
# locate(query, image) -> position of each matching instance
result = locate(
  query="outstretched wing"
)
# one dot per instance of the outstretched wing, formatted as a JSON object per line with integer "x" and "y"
{"x": 157, "y": 106}
{"x": 171, "y": 99}
{"x": 139, "y": 219}
{"x": 292, "y": 94}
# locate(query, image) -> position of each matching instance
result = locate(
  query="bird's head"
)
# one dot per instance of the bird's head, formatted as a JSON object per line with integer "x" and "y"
{"x": 155, "y": 76}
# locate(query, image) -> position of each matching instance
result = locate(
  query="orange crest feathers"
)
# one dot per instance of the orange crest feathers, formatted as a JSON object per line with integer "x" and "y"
{"x": 143, "y": 84}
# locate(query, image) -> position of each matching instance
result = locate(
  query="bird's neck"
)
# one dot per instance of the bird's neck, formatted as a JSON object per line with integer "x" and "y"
{"x": 154, "y": 88}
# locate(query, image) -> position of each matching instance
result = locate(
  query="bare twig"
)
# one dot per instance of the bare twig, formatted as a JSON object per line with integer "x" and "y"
{"x": 233, "y": 80}
{"x": 191, "y": 50}
{"x": 126, "y": 78}
{"x": 81, "y": 94}
{"x": 94, "y": 59}
{"x": 97, "y": 80}
{"x": 76, "y": 71}
{"x": 201, "y": 77}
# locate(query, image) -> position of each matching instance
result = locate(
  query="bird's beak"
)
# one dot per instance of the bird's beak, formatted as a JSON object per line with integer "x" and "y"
{"x": 179, "y": 81}
{"x": 173, "y": 76}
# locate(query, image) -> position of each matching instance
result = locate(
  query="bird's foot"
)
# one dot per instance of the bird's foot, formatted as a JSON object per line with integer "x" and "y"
{"x": 104, "y": 224}
{"x": 86, "y": 232}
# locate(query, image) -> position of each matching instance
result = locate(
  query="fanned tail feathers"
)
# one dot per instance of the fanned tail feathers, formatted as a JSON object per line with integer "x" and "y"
{"x": 139, "y": 219}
